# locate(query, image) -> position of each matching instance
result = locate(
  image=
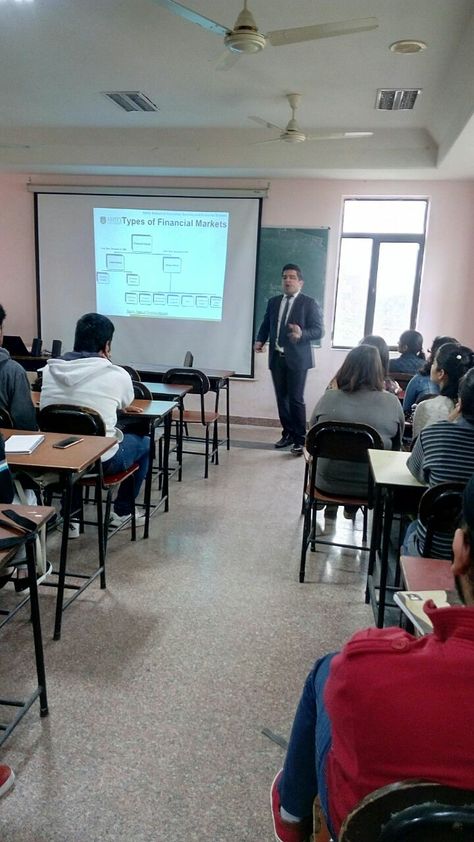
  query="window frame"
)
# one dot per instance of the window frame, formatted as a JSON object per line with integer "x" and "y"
{"x": 377, "y": 240}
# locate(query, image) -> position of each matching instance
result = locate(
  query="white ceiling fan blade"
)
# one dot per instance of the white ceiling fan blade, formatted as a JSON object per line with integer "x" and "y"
{"x": 279, "y": 37}
{"x": 194, "y": 17}
{"x": 266, "y": 124}
{"x": 227, "y": 60}
{"x": 339, "y": 136}
{"x": 271, "y": 140}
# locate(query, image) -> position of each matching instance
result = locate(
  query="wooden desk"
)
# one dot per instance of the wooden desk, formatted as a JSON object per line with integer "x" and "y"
{"x": 70, "y": 465}
{"x": 219, "y": 379}
{"x": 426, "y": 574}
{"x": 40, "y": 514}
{"x": 388, "y": 475}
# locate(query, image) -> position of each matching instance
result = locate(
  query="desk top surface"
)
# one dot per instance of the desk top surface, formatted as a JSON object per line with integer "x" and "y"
{"x": 40, "y": 514}
{"x": 426, "y": 574}
{"x": 160, "y": 368}
{"x": 389, "y": 468}
{"x": 75, "y": 458}
{"x": 168, "y": 390}
{"x": 150, "y": 409}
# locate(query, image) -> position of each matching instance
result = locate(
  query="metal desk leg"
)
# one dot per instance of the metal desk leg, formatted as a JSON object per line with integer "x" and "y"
{"x": 387, "y": 528}
{"x": 166, "y": 452}
{"x": 63, "y": 558}
{"x": 374, "y": 537}
{"x": 148, "y": 479}
{"x": 227, "y": 405}
{"x": 36, "y": 623}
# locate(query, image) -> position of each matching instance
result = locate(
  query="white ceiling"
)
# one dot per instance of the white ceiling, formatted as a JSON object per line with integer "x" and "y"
{"x": 56, "y": 56}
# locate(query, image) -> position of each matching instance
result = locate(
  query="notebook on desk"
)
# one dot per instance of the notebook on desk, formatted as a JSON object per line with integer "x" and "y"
{"x": 412, "y": 602}
{"x": 22, "y": 445}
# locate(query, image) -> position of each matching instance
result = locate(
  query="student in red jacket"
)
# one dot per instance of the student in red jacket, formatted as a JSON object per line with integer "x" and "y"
{"x": 388, "y": 707}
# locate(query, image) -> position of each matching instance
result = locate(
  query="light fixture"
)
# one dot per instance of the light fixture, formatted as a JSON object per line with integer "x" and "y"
{"x": 408, "y": 46}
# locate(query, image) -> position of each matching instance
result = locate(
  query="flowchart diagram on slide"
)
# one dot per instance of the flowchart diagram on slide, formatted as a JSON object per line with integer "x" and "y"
{"x": 162, "y": 263}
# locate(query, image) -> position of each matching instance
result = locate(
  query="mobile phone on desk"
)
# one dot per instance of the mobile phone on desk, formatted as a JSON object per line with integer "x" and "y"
{"x": 64, "y": 443}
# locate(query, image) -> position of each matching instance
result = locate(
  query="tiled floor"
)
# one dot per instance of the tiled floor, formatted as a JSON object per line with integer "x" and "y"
{"x": 161, "y": 685}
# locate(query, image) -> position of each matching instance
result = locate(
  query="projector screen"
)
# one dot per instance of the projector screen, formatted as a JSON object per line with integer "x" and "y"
{"x": 173, "y": 273}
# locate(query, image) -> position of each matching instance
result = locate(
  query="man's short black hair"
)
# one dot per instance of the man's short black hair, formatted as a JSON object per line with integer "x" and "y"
{"x": 93, "y": 331}
{"x": 289, "y": 267}
{"x": 2, "y": 315}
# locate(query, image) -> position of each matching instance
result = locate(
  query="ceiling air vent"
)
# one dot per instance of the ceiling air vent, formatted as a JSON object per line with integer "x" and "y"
{"x": 396, "y": 99}
{"x": 131, "y": 100}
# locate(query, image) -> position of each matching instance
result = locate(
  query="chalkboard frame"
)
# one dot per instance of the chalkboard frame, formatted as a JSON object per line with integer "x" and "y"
{"x": 307, "y": 247}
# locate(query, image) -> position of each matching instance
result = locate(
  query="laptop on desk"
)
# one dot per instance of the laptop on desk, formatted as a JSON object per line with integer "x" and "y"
{"x": 15, "y": 346}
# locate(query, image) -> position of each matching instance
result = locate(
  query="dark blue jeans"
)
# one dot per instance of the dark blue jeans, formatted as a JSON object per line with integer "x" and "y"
{"x": 132, "y": 449}
{"x": 304, "y": 772}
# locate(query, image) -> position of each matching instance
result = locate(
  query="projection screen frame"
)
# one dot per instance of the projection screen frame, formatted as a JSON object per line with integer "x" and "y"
{"x": 149, "y": 193}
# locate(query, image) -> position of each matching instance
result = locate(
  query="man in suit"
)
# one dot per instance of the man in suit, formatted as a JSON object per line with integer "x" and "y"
{"x": 291, "y": 322}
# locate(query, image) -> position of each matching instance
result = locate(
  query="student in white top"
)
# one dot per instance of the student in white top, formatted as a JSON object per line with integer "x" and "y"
{"x": 87, "y": 377}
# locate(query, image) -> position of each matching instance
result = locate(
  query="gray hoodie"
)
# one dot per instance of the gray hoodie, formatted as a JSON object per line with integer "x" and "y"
{"x": 15, "y": 393}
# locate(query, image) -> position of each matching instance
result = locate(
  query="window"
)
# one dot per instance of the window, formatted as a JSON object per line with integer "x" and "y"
{"x": 381, "y": 255}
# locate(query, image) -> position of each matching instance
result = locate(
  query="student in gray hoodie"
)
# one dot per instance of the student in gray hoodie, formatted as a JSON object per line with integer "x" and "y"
{"x": 15, "y": 393}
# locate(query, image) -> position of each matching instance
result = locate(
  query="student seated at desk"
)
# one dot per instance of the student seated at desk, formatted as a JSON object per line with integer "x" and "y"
{"x": 443, "y": 452}
{"x": 15, "y": 393}
{"x": 388, "y": 707}
{"x": 421, "y": 383}
{"x": 359, "y": 397}
{"x": 451, "y": 362}
{"x": 87, "y": 377}
{"x": 410, "y": 347}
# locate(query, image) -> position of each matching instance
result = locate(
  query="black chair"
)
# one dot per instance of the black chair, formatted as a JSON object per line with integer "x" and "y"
{"x": 402, "y": 377}
{"x": 337, "y": 441}
{"x": 412, "y": 811}
{"x": 141, "y": 392}
{"x": 132, "y": 372}
{"x": 5, "y": 419}
{"x": 440, "y": 512}
{"x": 200, "y": 386}
{"x": 188, "y": 359}
{"x": 66, "y": 418}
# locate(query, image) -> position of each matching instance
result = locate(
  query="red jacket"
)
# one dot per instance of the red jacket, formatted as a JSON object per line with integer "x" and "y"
{"x": 401, "y": 707}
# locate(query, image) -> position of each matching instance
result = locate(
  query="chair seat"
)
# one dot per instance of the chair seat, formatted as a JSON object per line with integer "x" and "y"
{"x": 191, "y": 416}
{"x": 111, "y": 479}
{"x": 339, "y": 499}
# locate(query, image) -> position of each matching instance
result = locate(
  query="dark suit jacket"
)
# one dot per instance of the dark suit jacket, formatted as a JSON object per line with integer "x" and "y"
{"x": 306, "y": 313}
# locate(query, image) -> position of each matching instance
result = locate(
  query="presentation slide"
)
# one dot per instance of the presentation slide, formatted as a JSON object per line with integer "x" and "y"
{"x": 160, "y": 263}
{"x": 174, "y": 273}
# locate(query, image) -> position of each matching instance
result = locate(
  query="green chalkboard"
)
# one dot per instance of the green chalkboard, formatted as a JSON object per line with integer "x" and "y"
{"x": 305, "y": 246}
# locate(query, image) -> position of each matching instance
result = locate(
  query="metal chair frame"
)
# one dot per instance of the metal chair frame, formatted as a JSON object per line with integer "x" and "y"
{"x": 440, "y": 511}
{"x": 340, "y": 441}
{"x": 200, "y": 386}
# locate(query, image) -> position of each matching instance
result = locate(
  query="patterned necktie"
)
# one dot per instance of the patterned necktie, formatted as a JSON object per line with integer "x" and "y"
{"x": 284, "y": 316}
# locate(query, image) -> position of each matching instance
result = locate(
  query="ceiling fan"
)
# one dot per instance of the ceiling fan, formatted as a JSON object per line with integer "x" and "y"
{"x": 292, "y": 133}
{"x": 245, "y": 37}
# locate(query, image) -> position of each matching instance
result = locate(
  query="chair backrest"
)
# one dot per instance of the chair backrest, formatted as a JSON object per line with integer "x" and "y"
{"x": 338, "y": 440}
{"x": 141, "y": 392}
{"x": 188, "y": 359}
{"x": 66, "y": 418}
{"x": 440, "y": 511}
{"x": 198, "y": 381}
{"x": 5, "y": 419}
{"x": 132, "y": 372}
{"x": 402, "y": 377}
{"x": 412, "y": 811}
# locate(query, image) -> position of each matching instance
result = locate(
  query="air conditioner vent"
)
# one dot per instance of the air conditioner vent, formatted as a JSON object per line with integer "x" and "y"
{"x": 396, "y": 99}
{"x": 131, "y": 100}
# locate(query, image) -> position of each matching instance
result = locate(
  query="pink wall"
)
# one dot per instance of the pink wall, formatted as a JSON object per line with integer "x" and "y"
{"x": 447, "y": 293}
